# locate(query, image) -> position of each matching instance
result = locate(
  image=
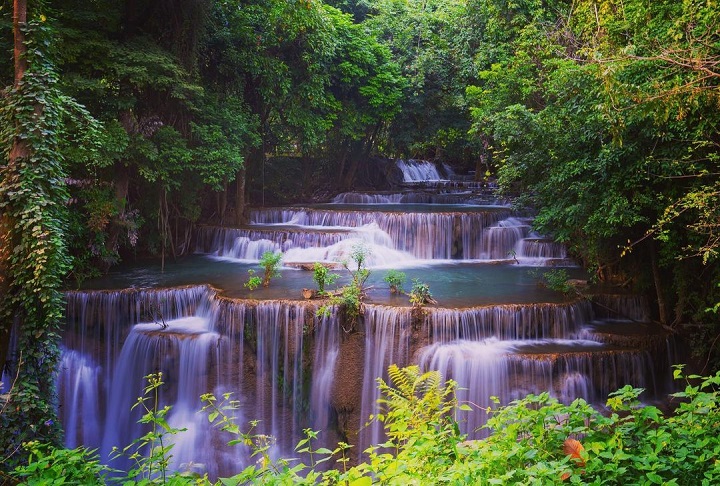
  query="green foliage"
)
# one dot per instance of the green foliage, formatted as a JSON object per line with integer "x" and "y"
{"x": 349, "y": 298}
{"x": 270, "y": 263}
{"x": 533, "y": 440}
{"x": 322, "y": 277}
{"x": 150, "y": 454}
{"x": 254, "y": 281}
{"x": 419, "y": 293}
{"x": 555, "y": 279}
{"x": 431, "y": 42}
{"x": 34, "y": 117}
{"x": 51, "y": 465}
{"x": 395, "y": 280}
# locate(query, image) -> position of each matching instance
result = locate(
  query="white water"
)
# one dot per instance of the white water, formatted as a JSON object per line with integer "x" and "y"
{"x": 279, "y": 360}
{"x": 418, "y": 171}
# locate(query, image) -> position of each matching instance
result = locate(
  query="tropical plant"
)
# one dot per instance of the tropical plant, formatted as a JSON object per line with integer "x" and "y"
{"x": 254, "y": 281}
{"x": 395, "y": 279}
{"x": 322, "y": 277}
{"x": 420, "y": 293}
{"x": 270, "y": 263}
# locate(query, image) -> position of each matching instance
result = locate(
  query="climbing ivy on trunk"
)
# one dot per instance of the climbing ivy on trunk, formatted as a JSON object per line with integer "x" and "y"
{"x": 34, "y": 117}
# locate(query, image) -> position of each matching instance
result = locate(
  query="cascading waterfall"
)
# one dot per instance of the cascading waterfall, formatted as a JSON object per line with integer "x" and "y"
{"x": 508, "y": 322}
{"x": 418, "y": 171}
{"x": 504, "y": 351}
{"x": 182, "y": 352}
{"x": 426, "y": 235}
{"x": 387, "y": 341}
{"x": 500, "y": 241}
{"x": 281, "y": 362}
{"x": 470, "y": 198}
{"x": 255, "y": 350}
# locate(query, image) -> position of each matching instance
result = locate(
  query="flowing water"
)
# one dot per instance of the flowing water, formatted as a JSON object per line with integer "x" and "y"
{"x": 494, "y": 330}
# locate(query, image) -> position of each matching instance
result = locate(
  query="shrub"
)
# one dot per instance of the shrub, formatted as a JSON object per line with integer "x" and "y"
{"x": 323, "y": 277}
{"x": 533, "y": 440}
{"x": 420, "y": 293}
{"x": 254, "y": 281}
{"x": 270, "y": 262}
{"x": 395, "y": 280}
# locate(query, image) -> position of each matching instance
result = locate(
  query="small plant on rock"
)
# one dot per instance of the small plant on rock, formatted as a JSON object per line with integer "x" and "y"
{"x": 323, "y": 277}
{"x": 270, "y": 262}
{"x": 420, "y": 294}
{"x": 254, "y": 281}
{"x": 349, "y": 298}
{"x": 395, "y": 280}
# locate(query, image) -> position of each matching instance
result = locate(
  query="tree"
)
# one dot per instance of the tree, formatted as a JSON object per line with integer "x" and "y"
{"x": 34, "y": 117}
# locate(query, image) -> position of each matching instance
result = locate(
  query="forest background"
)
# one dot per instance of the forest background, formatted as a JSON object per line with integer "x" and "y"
{"x": 134, "y": 121}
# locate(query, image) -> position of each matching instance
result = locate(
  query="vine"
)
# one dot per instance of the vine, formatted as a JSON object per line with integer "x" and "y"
{"x": 32, "y": 203}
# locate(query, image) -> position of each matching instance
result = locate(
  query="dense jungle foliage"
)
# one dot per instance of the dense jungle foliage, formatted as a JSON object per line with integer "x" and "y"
{"x": 135, "y": 120}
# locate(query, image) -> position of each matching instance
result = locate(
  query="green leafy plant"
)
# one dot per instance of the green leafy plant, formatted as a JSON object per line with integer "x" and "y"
{"x": 349, "y": 298}
{"x": 532, "y": 440}
{"x": 54, "y": 465}
{"x": 270, "y": 263}
{"x": 35, "y": 120}
{"x": 254, "y": 281}
{"x": 150, "y": 453}
{"x": 420, "y": 293}
{"x": 555, "y": 279}
{"x": 395, "y": 279}
{"x": 323, "y": 277}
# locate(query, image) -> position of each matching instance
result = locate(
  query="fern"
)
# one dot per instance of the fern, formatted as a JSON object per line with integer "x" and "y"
{"x": 415, "y": 404}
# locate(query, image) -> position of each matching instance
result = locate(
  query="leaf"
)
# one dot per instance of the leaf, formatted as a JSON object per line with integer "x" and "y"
{"x": 363, "y": 481}
{"x": 574, "y": 448}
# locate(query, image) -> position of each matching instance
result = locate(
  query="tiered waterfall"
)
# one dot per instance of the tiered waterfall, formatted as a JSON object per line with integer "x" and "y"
{"x": 494, "y": 330}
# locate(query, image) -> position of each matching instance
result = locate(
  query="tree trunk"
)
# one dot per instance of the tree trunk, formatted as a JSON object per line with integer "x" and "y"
{"x": 657, "y": 279}
{"x": 121, "y": 186}
{"x": 240, "y": 207}
{"x": 19, "y": 20}
{"x": 222, "y": 202}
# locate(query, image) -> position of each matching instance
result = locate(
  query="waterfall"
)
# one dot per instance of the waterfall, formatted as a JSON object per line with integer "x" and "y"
{"x": 360, "y": 198}
{"x": 255, "y": 350}
{"x": 434, "y": 235}
{"x": 181, "y": 351}
{"x": 327, "y": 339}
{"x": 479, "y": 370}
{"x": 79, "y": 382}
{"x": 387, "y": 337}
{"x": 499, "y": 241}
{"x": 510, "y": 370}
{"x": 288, "y": 369}
{"x": 469, "y": 198}
{"x": 418, "y": 171}
{"x": 541, "y": 248}
{"x": 508, "y": 322}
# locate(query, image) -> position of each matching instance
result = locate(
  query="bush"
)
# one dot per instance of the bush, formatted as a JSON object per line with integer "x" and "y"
{"x": 270, "y": 262}
{"x": 323, "y": 277}
{"x": 420, "y": 293}
{"x": 395, "y": 280}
